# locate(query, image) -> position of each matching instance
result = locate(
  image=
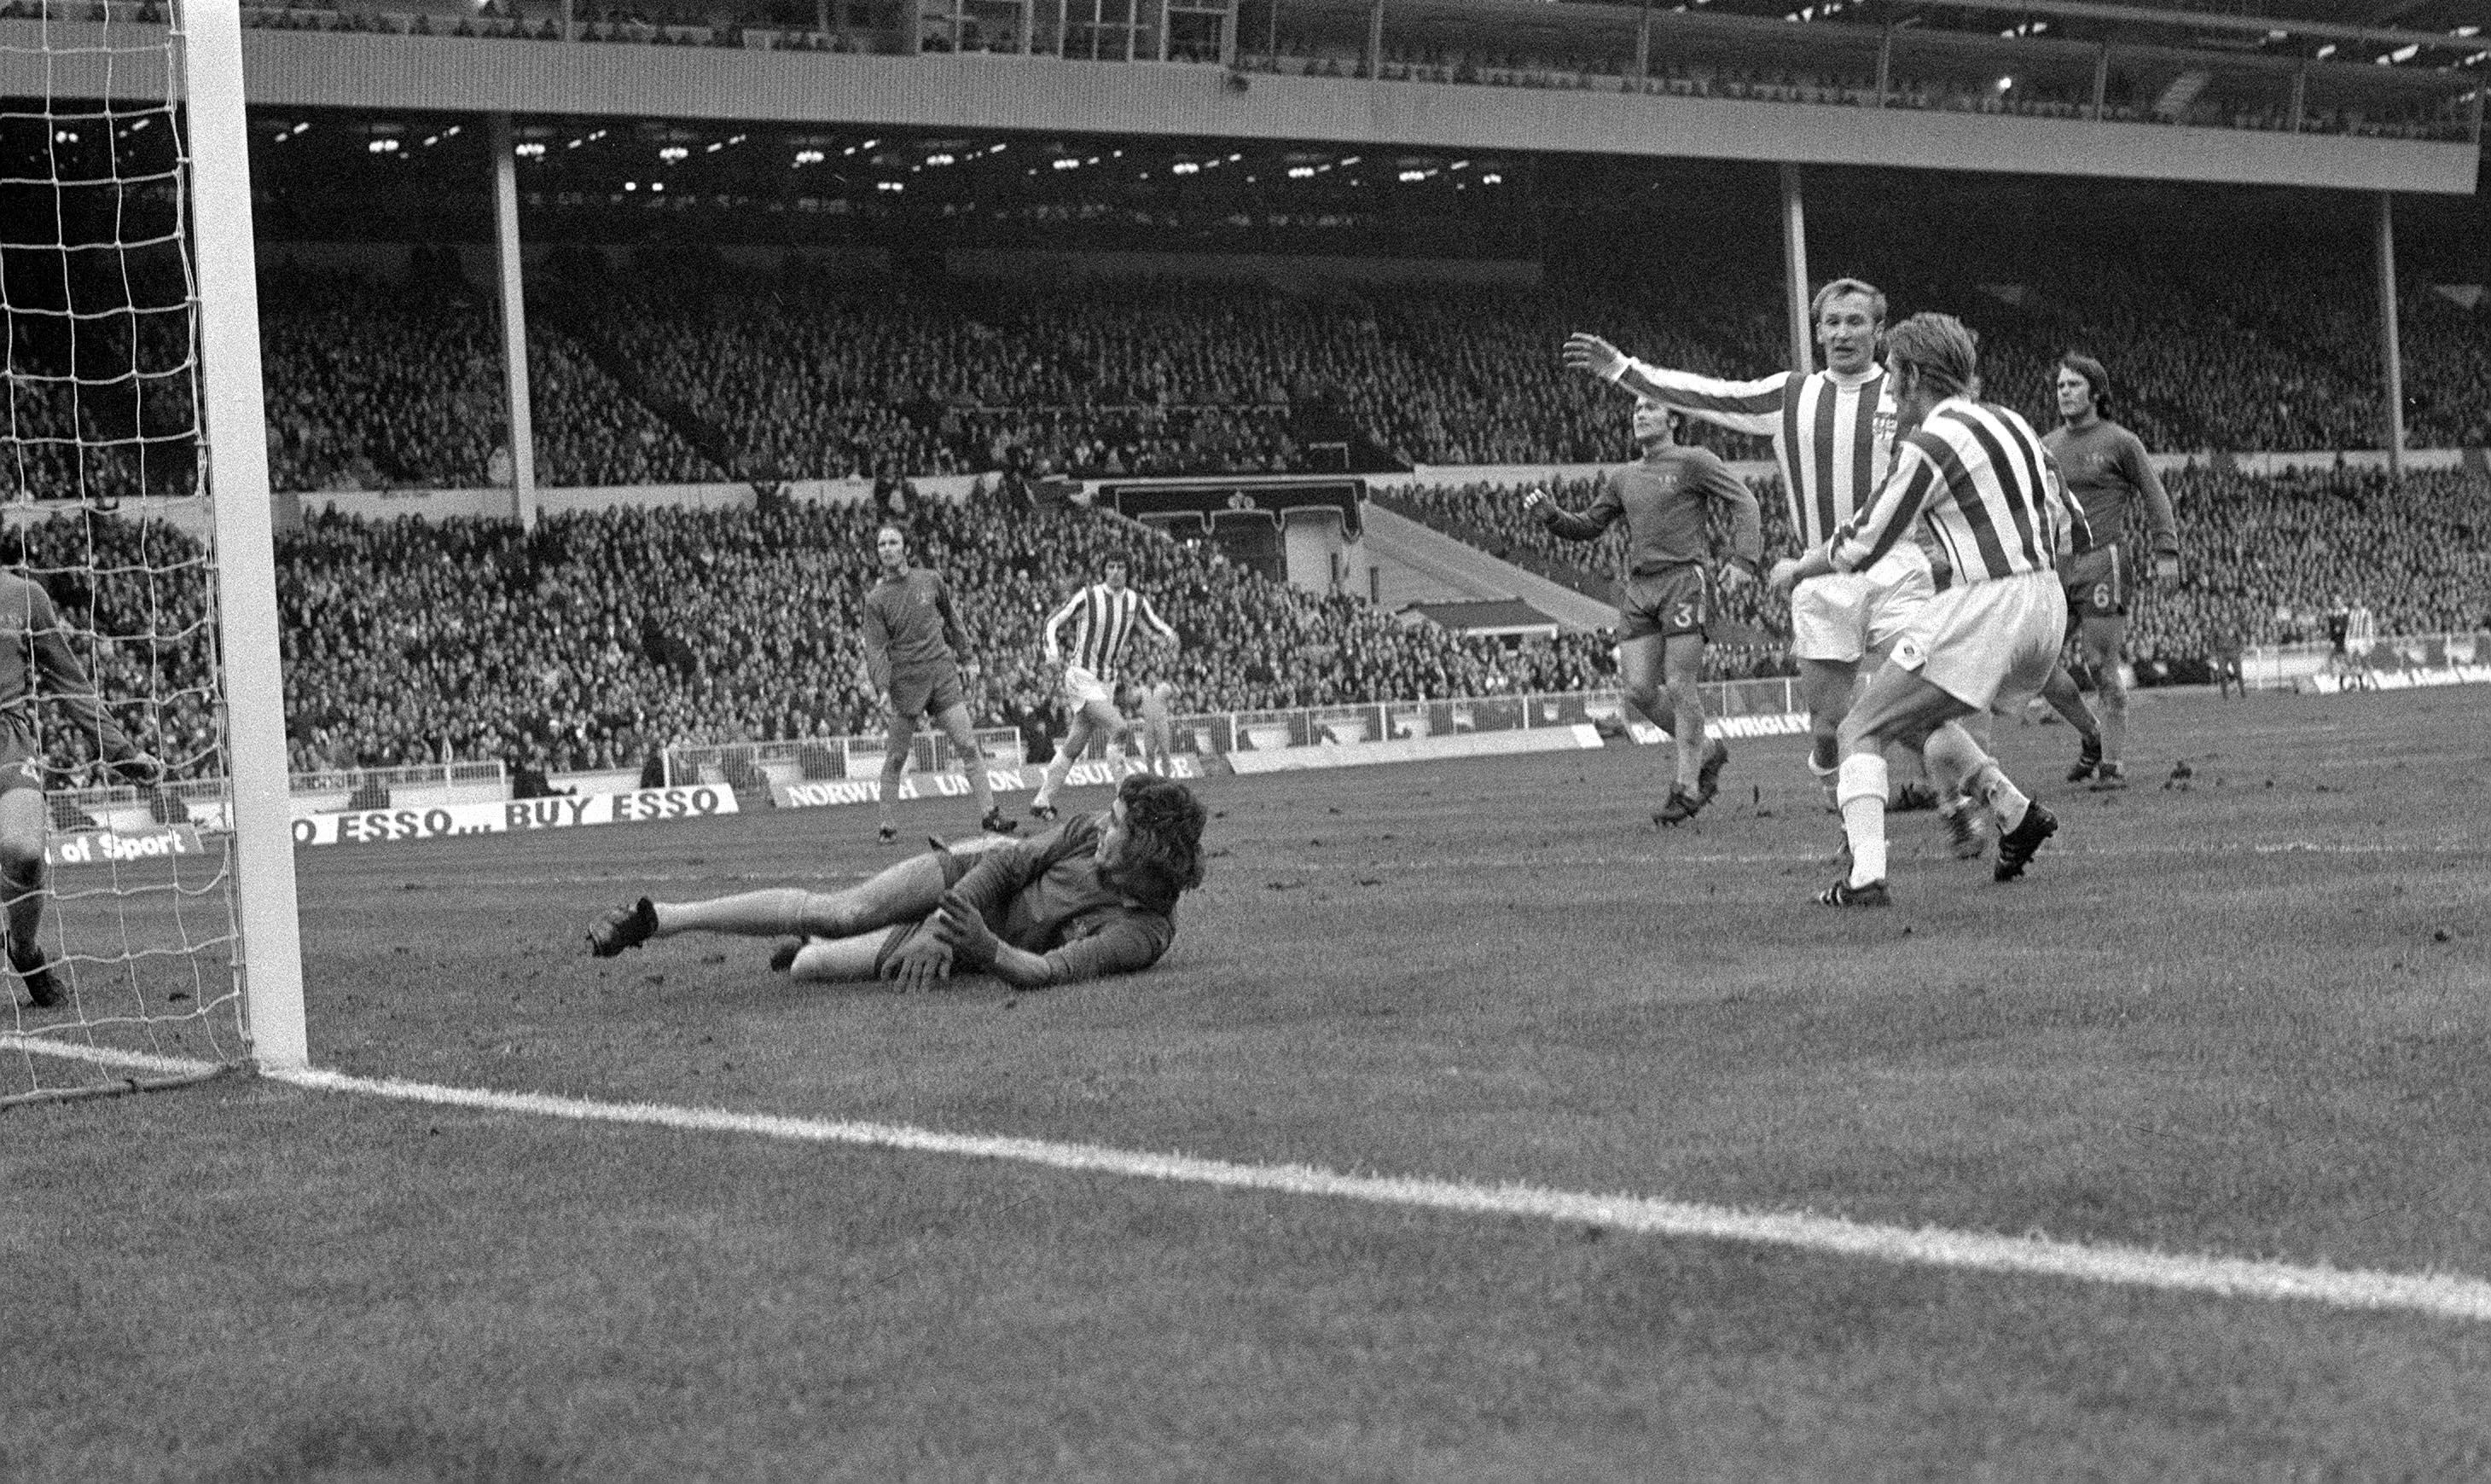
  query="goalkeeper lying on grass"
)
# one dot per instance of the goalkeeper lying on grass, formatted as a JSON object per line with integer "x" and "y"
{"x": 1094, "y": 895}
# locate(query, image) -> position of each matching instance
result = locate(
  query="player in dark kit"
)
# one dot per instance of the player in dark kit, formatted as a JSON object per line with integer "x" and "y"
{"x": 33, "y": 645}
{"x": 2108, "y": 475}
{"x": 912, "y": 641}
{"x": 1094, "y": 895}
{"x": 1665, "y": 589}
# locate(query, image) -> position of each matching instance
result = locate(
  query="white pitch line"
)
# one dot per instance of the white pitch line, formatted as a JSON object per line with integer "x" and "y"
{"x": 105, "y": 1056}
{"x": 1510, "y": 862}
{"x": 2446, "y": 1296}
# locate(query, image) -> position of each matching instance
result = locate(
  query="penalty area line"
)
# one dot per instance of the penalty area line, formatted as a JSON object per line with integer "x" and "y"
{"x": 2446, "y": 1295}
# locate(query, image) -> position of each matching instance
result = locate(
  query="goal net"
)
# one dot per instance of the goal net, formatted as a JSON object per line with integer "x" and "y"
{"x": 133, "y": 495}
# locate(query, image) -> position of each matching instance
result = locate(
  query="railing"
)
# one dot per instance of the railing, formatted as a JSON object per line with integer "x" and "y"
{"x": 751, "y": 766}
{"x": 74, "y": 808}
{"x": 2285, "y": 667}
{"x": 1314, "y": 726}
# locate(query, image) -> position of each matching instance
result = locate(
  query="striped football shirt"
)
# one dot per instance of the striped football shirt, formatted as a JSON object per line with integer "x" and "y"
{"x": 1976, "y": 478}
{"x": 1102, "y": 618}
{"x": 1831, "y": 433}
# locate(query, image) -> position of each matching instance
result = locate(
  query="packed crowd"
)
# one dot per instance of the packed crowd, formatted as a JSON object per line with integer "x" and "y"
{"x": 2264, "y": 558}
{"x": 808, "y": 376}
{"x": 599, "y": 638}
{"x": 134, "y": 596}
{"x": 1750, "y": 634}
{"x": 604, "y": 636}
{"x": 373, "y": 385}
{"x": 2267, "y": 558}
{"x": 797, "y": 373}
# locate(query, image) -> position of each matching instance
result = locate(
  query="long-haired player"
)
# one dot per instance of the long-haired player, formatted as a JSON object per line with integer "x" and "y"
{"x": 1103, "y": 618}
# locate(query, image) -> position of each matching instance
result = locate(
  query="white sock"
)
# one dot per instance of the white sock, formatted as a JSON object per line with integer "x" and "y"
{"x": 1824, "y": 778}
{"x": 2006, "y": 801}
{"x": 1057, "y": 770}
{"x": 1863, "y": 815}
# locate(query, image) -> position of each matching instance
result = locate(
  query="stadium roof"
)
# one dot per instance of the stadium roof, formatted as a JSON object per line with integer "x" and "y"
{"x": 2415, "y": 33}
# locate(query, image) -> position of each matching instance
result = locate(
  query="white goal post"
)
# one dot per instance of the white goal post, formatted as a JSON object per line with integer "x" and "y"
{"x": 234, "y": 463}
{"x": 162, "y": 943}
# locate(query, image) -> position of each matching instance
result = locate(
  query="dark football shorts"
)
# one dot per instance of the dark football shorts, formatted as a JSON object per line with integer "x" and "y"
{"x": 21, "y": 761}
{"x": 1668, "y": 603}
{"x": 927, "y": 689}
{"x": 2097, "y": 584}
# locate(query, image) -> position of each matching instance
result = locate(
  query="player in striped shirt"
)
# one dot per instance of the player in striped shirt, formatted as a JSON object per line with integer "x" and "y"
{"x": 1103, "y": 617}
{"x": 1974, "y": 476}
{"x": 1666, "y": 588}
{"x": 1830, "y": 430}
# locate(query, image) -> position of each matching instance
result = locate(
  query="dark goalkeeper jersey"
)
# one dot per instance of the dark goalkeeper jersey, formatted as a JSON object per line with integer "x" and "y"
{"x": 1044, "y": 896}
{"x": 34, "y": 643}
{"x": 1667, "y": 503}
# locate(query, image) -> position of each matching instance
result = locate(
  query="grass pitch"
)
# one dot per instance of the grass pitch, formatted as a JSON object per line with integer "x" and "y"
{"x": 2246, "y": 1018}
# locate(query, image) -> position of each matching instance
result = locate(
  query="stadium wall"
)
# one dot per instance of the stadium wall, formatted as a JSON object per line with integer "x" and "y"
{"x": 448, "y": 74}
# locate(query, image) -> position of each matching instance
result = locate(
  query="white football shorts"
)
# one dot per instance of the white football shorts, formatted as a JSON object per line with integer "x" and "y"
{"x": 1083, "y": 689}
{"x": 1988, "y": 643}
{"x": 1847, "y": 617}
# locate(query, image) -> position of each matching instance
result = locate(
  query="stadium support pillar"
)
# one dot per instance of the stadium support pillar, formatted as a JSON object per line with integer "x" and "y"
{"x": 2101, "y": 79}
{"x": 1643, "y": 42}
{"x": 1375, "y": 39}
{"x": 515, "y": 323}
{"x": 1795, "y": 270}
{"x": 268, "y": 961}
{"x": 2300, "y": 95}
{"x": 1885, "y": 64}
{"x": 2392, "y": 380}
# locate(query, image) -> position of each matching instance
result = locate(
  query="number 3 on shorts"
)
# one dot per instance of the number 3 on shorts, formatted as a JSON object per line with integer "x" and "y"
{"x": 1686, "y": 617}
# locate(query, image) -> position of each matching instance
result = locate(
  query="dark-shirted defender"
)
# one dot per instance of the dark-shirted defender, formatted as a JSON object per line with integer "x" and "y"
{"x": 1665, "y": 586}
{"x": 913, "y": 650}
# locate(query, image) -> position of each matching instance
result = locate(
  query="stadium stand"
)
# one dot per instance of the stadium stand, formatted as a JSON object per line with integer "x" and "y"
{"x": 602, "y": 637}
{"x": 607, "y": 635}
{"x": 675, "y": 366}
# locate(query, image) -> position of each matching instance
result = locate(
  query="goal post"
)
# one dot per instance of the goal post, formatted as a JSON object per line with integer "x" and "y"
{"x": 135, "y": 500}
{"x": 233, "y": 466}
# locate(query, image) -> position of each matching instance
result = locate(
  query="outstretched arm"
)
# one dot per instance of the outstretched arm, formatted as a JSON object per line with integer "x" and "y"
{"x": 1605, "y": 508}
{"x": 1742, "y": 406}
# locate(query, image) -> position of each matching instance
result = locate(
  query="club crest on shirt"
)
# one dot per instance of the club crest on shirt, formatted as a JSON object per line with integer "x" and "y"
{"x": 1883, "y": 426}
